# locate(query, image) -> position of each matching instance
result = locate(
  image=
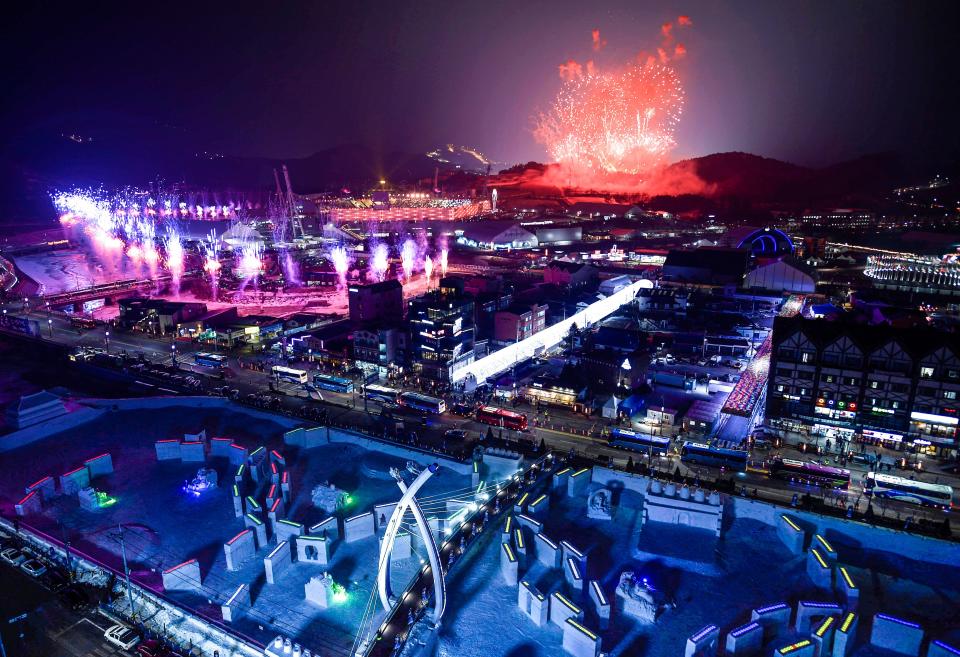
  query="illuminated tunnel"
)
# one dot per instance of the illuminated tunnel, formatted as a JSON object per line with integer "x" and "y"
{"x": 767, "y": 242}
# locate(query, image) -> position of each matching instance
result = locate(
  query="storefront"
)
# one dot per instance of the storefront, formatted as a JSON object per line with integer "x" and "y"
{"x": 934, "y": 434}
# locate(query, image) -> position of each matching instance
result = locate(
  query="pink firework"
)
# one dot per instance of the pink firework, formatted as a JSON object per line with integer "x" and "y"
{"x": 408, "y": 256}
{"x": 614, "y": 122}
{"x": 380, "y": 261}
{"x": 428, "y": 268}
{"x": 341, "y": 263}
{"x": 443, "y": 261}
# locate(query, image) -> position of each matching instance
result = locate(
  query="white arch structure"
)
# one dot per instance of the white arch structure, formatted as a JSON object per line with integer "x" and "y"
{"x": 409, "y": 501}
{"x": 504, "y": 359}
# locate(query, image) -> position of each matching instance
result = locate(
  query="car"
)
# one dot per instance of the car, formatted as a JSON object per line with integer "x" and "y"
{"x": 33, "y": 568}
{"x": 121, "y": 636}
{"x": 460, "y": 408}
{"x": 152, "y": 648}
{"x": 455, "y": 434}
{"x": 74, "y": 598}
{"x": 13, "y": 556}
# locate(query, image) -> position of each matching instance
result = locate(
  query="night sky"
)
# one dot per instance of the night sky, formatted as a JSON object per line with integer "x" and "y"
{"x": 808, "y": 82}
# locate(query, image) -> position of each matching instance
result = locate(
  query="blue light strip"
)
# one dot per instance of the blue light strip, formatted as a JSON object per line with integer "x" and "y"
{"x": 702, "y": 633}
{"x": 898, "y": 620}
{"x": 743, "y": 629}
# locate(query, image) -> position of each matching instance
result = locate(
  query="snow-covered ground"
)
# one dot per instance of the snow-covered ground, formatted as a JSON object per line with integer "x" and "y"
{"x": 164, "y": 527}
{"x": 66, "y": 270}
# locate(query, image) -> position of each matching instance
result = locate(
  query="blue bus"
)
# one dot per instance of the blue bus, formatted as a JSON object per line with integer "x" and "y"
{"x": 630, "y": 439}
{"x": 381, "y": 394}
{"x": 204, "y": 359}
{"x": 732, "y": 459}
{"x": 334, "y": 383}
{"x": 423, "y": 403}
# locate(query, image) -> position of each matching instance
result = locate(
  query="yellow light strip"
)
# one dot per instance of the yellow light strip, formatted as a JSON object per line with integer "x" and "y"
{"x": 823, "y": 541}
{"x": 519, "y": 534}
{"x": 572, "y": 607}
{"x": 847, "y": 622}
{"x": 582, "y": 629}
{"x": 509, "y": 519}
{"x": 791, "y": 523}
{"x": 562, "y": 472}
{"x": 509, "y": 553}
{"x": 846, "y": 577}
{"x": 579, "y": 472}
{"x": 824, "y": 626}
{"x": 523, "y": 499}
{"x": 816, "y": 554}
{"x": 538, "y": 500}
{"x": 794, "y": 646}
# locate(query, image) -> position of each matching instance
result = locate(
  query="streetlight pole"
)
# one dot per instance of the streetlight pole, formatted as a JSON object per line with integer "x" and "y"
{"x": 50, "y": 324}
{"x": 106, "y": 337}
{"x": 126, "y": 571}
{"x": 173, "y": 354}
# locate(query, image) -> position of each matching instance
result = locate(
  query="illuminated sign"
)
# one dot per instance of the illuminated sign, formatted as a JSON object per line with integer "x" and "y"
{"x": 934, "y": 419}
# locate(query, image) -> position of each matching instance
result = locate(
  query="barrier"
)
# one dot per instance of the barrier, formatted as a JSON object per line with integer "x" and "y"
{"x": 540, "y": 505}
{"x": 258, "y": 527}
{"x": 822, "y": 636}
{"x": 239, "y": 454}
{"x": 560, "y": 479}
{"x": 518, "y": 506}
{"x": 561, "y": 609}
{"x": 191, "y": 452}
{"x": 703, "y": 643}
{"x": 72, "y": 482}
{"x": 808, "y": 613}
{"x": 167, "y": 450}
{"x": 579, "y": 641}
{"x": 327, "y": 528}
{"x": 30, "y": 504}
{"x": 46, "y": 488}
{"x": 312, "y": 549}
{"x": 198, "y": 437}
{"x": 520, "y": 545}
{"x": 402, "y": 546}
{"x": 818, "y": 569}
{"x": 358, "y": 527}
{"x": 220, "y": 447}
{"x": 941, "y": 649}
{"x": 277, "y": 457}
{"x": 532, "y": 603}
{"x": 896, "y": 634}
{"x": 601, "y": 605}
{"x": 791, "y": 534}
{"x": 99, "y": 465}
{"x": 182, "y": 577}
{"x": 578, "y": 482}
{"x": 237, "y": 501}
{"x": 275, "y": 513}
{"x": 285, "y": 487}
{"x": 847, "y": 587}
{"x": 240, "y": 548}
{"x": 240, "y": 476}
{"x": 745, "y": 640}
{"x": 232, "y": 609}
{"x": 278, "y": 561}
{"x": 253, "y": 506}
{"x": 526, "y": 521}
{"x": 284, "y": 530}
{"x": 773, "y": 618}
{"x": 844, "y": 635}
{"x": 573, "y": 575}
{"x": 825, "y": 548}
{"x": 548, "y": 552}
{"x": 803, "y": 648}
{"x": 572, "y": 553}
{"x": 508, "y": 564}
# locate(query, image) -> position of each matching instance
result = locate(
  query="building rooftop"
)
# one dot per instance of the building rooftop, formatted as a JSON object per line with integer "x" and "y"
{"x": 42, "y": 398}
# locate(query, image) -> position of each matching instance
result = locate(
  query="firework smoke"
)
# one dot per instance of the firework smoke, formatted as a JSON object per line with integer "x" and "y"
{"x": 291, "y": 270}
{"x": 443, "y": 261}
{"x": 380, "y": 262}
{"x": 174, "y": 260}
{"x": 341, "y": 263}
{"x": 211, "y": 263}
{"x": 408, "y": 256}
{"x": 250, "y": 263}
{"x": 428, "y": 268}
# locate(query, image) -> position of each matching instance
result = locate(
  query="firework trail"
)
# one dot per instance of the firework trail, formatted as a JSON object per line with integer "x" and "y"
{"x": 443, "y": 260}
{"x": 380, "y": 261}
{"x": 408, "y": 258}
{"x": 428, "y": 268}
{"x": 341, "y": 263}
{"x": 211, "y": 263}
{"x": 250, "y": 263}
{"x": 173, "y": 247}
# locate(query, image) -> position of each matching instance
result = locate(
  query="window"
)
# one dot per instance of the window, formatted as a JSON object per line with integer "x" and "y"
{"x": 779, "y": 388}
{"x": 926, "y": 372}
{"x": 949, "y": 394}
{"x": 874, "y": 385}
{"x": 851, "y": 381}
{"x": 806, "y": 357}
{"x": 828, "y": 378}
{"x": 953, "y": 374}
{"x": 803, "y": 392}
{"x": 895, "y": 404}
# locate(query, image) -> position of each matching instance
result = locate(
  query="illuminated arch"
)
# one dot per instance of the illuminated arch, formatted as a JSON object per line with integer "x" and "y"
{"x": 767, "y": 242}
{"x": 409, "y": 501}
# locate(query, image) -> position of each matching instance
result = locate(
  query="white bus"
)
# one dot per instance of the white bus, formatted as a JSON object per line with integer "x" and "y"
{"x": 281, "y": 373}
{"x": 381, "y": 393}
{"x": 908, "y": 491}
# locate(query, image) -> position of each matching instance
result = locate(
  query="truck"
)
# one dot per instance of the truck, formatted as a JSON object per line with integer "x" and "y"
{"x": 673, "y": 379}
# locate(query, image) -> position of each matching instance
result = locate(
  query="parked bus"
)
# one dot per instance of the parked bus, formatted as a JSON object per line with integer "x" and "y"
{"x": 630, "y": 439}
{"x": 908, "y": 491}
{"x": 203, "y": 359}
{"x": 79, "y": 322}
{"x": 810, "y": 474}
{"x": 381, "y": 394}
{"x": 423, "y": 403}
{"x": 732, "y": 459}
{"x": 500, "y": 417}
{"x": 281, "y": 373}
{"x": 334, "y": 383}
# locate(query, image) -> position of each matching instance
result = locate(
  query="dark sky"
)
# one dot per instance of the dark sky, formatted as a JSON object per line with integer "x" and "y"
{"x": 809, "y": 82}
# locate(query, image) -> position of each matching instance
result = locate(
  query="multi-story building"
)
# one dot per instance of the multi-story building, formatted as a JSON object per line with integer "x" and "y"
{"x": 381, "y": 348}
{"x": 376, "y": 302}
{"x": 519, "y": 322}
{"x": 842, "y": 379}
{"x": 442, "y": 331}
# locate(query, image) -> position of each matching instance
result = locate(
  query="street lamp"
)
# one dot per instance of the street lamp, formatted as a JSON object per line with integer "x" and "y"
{"x": 173, "y": 354}
{"x": 50, "y": 324}
{"x": 106, "y": 337}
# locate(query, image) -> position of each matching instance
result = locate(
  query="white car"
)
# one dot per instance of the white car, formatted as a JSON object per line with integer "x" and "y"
{"x": 121, "y": 636}
{"x": 33, "y": 568}
{"x": 13, "y": 556}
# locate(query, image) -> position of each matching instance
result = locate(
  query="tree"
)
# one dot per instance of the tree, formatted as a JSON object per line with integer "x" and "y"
{"x": 543, "y": 446}
{"x": 630, "y": 465}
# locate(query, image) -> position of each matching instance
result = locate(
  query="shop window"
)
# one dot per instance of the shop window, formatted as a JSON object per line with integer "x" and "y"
{"x": 949, "y": 394}
{"x": 926, "y": 372}
{"x": 806, "y": 357}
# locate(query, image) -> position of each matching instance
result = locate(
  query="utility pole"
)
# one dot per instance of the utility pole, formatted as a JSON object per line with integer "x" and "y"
{"x": 126, "y": 571}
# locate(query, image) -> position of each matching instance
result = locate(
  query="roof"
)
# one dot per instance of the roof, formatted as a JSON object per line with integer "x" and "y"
{"x": 37, "y": 399}
{"x": 383, "y": 286}
{"x": 487, "y": 231}
{"x": 704, "y": 410}
{"x": 567, "y": 265}
{"x": 918, "y": 341}
{"x": 714, "y": 259}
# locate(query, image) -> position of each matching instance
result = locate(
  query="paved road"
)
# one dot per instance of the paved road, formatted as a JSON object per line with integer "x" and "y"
{"x": 47, "y": 629}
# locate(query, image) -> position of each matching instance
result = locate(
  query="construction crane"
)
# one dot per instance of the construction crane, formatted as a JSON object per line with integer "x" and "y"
{"x": 291, "y": 205}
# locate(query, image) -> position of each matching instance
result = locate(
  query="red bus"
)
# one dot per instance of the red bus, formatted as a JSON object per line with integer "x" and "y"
{"x": 499, "y": 417}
